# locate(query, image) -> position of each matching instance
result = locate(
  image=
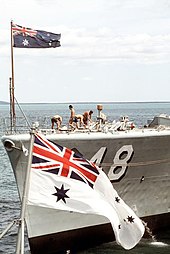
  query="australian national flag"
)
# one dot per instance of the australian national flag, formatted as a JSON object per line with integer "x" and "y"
{"x": 28, "y": 38}
{"x": 62, "y": 179}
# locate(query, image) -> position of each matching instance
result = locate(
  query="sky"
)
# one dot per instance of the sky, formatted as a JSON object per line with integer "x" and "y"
{"x": 111, "y": 51}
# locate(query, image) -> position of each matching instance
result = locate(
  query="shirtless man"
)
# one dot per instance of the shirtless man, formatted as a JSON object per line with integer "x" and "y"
{"x": 80, "y": 119}
{"x": 87, "y": 117}
{"x": 56, "y": 119}
{"x": 73, "y": 118}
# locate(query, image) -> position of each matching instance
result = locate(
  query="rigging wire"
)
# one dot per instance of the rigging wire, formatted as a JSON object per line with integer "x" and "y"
{"x": 26, "y": 119}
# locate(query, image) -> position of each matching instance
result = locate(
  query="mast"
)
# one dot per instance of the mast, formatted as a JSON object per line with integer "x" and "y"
{"x": 12, "y": 97}
{"x": 10, "y": 94}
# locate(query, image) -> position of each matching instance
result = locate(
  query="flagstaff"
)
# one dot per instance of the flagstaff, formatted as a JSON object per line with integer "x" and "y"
{"x": 22, "y": 37}
{"x": 10, "y": 93}
{"x": 12, "y": 97}
{"x": 20, "y": 240}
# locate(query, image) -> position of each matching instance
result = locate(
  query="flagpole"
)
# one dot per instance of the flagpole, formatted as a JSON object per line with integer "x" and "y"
{"x": 12, "y": 86}
{"x": 20, "y": 240}
{"x": 10, "y": 93}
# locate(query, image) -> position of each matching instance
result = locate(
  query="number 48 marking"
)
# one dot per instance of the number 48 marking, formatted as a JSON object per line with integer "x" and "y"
{"x": 120, "y": 163}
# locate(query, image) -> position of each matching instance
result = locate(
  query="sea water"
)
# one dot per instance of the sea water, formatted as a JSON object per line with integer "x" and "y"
{"x": 139, "y": 113}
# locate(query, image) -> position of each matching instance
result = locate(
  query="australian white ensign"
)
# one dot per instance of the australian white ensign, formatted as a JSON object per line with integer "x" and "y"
{"x": 62, "y": 179}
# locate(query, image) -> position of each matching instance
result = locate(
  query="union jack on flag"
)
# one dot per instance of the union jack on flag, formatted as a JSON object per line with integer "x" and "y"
{"x": 16, "y": 29}
{"x": 53, "y": 158}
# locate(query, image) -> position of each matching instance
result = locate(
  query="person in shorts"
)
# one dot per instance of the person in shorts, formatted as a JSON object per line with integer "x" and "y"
{"x": 56, "y": 120}
{"x": 73, "y": 119}
{"x": 79, "y": 118}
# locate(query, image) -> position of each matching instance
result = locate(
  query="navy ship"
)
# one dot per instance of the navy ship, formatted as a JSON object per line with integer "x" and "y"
{"x": 137, "y": 162}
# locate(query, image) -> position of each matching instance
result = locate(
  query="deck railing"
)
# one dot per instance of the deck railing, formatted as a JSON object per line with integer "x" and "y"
{"x": 22, "y": 125}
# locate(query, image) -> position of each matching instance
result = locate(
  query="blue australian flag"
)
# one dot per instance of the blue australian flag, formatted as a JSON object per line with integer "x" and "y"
{"x": 28, "y": 38}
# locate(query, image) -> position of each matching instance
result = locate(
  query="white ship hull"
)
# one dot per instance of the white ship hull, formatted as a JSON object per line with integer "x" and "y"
{"x": 137, "y": 163}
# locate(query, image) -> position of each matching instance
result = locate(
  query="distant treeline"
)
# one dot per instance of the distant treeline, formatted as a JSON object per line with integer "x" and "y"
{"x": 3, "y": 102}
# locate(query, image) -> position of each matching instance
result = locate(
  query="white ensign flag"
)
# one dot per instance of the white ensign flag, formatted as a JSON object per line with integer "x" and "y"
{"x": 61, "y": 179}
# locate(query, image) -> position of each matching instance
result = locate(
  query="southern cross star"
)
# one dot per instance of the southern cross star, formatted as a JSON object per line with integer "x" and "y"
{"x": 117, "y": 199}
{"x": 130, "y": 219}
{"x": 61, "y": 193}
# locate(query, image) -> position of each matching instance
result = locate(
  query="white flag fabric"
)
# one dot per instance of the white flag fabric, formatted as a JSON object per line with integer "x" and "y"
{"x": 61, "y": 179}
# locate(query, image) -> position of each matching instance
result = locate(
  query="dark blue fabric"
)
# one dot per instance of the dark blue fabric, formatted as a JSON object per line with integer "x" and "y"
{"x": 42, "y": 39}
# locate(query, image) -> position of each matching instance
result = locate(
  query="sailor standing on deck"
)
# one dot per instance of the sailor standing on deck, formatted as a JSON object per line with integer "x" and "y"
{"x": 56, "y": 119}
{"x": 73, "y": 118}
